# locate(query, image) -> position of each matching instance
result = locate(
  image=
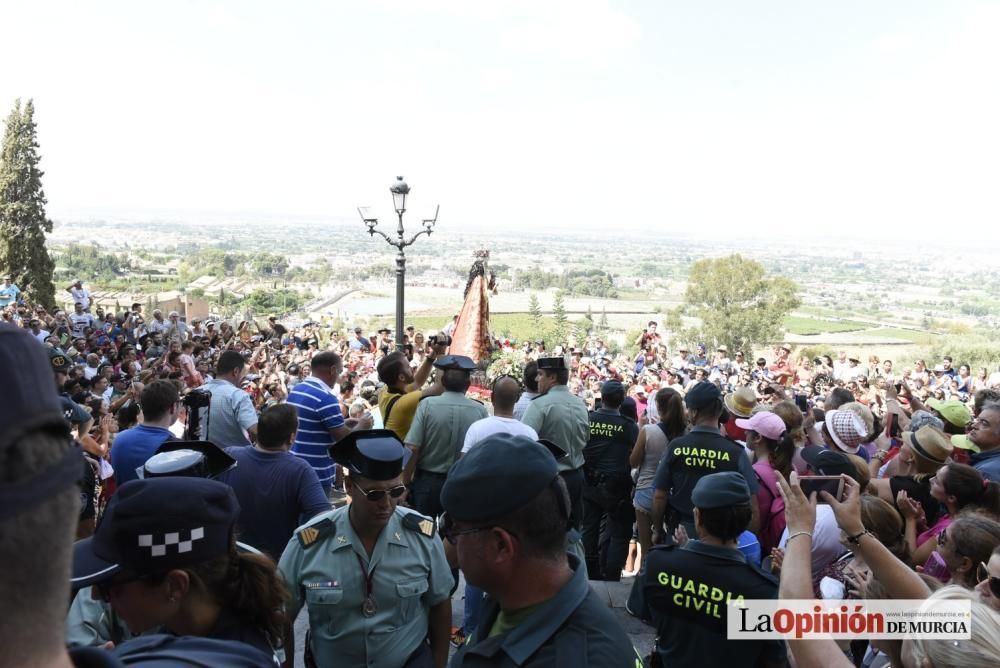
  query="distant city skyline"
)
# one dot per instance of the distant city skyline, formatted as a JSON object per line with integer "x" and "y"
{"x": 852, "y": 119}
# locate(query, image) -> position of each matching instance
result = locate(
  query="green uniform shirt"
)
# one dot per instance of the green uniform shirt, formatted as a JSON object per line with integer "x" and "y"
{"x": 439, "y": 428}
{"x": 409, "y": 575}
{"x": 562, "y": 418}
{"x": 92, "y": 623}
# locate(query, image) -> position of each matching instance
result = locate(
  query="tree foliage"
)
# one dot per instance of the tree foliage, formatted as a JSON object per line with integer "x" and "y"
{"x": 535, "y": 311}
{"x": 738, "y": 304}
{"x": 23, "y": 223}
{"x": 590, "y": 282}
{"x": 90, "y": 263}
{"x": 560, "y": 323}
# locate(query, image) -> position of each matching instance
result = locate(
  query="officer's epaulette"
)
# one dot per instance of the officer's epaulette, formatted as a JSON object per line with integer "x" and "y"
{"x": 419, "y": 523}
{"x": 310, "y": 535}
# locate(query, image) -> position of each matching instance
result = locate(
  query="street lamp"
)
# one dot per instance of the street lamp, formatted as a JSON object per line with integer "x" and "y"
{"x": 399, "y": 191}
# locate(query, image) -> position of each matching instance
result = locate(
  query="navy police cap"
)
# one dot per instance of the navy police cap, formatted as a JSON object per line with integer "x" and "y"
{"x": 197, "y": 459}
{"x": 156, "y": 525}
{"x": 30, "y": 402}
{"x": 376, "y": 454}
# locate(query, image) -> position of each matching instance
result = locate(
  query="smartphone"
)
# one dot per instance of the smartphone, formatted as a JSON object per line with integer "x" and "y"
{"x": 935, "y": 566}
{"x": 833, "y": 484}
{"x": 802, "y": 402}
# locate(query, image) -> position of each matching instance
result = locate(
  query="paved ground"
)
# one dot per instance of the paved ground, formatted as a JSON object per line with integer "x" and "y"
{"x": 613, "y": 593}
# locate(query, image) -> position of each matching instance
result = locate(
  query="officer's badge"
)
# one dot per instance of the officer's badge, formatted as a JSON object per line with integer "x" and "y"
{"x": 308, "y": 536}
{"x": 422, "y": 525}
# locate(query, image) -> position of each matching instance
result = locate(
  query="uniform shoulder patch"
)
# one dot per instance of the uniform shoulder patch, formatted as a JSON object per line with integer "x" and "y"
{"x": 419, "y": 523}
{"x": 308, "y": 536}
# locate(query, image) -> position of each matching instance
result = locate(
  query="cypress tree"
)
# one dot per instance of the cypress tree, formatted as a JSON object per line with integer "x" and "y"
{"x": 23, "y": 223}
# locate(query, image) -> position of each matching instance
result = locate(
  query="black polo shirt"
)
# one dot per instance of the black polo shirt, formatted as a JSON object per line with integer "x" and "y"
{"x": 688, "y": 591}
{"x": 612, "y": 437}
{"x": 700, "y": 452}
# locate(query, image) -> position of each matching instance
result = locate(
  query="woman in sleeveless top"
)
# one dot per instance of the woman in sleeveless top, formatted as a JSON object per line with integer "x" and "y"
{"x": 646, "y": 455}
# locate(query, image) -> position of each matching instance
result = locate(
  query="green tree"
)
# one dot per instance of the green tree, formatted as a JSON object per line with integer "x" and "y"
{"x": 536, "y": 312}
{"x": 737, "y": 303}
{"x": 603, "y": 322}
{"x": 23, "y": 223}
{"x": 560, "y": 323}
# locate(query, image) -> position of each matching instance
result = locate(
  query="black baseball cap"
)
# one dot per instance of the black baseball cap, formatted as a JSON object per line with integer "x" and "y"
{"x": 828, "y": 462}
{"x": 156, "y": 525}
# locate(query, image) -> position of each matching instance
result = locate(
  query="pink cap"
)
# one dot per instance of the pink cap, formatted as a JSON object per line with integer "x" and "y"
{"x": 765, "y": 423}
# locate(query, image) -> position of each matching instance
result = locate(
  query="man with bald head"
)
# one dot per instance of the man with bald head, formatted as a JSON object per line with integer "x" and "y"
{"x": 506, "y": 392}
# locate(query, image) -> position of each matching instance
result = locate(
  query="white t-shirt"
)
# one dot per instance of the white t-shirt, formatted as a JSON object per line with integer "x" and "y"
{"x": 488, "y": 426}
{"x": 81, "y": 296}
{"x": 80, "y": 322}
{"x": 826, "y": 545}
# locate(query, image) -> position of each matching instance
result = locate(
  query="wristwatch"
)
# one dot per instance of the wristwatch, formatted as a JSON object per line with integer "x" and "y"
{"x": 880, "y": 455}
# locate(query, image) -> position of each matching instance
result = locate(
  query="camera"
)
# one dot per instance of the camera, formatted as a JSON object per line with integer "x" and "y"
{"x": 439, "y": 340}
{"x": 198, "y": 399}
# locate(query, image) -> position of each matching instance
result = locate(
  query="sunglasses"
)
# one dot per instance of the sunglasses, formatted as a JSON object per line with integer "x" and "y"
{"x": 379, "y": 494}
{"x": 983, "y": 574}
{"x": 451, "y": 534}
{"x": 942, "y": 537}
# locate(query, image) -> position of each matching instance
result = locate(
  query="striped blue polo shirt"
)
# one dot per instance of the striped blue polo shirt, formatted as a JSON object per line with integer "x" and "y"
{"x": 319, "y": 412}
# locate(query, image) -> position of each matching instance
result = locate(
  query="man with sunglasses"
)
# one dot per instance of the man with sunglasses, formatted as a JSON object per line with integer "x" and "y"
{"x": 506, "y": 512}
{"x": 373, "y": 574}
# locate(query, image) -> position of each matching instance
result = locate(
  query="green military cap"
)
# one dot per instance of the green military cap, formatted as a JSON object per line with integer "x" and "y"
{"x": 376, "y": 454}
{"x": 718, "y": 490}
{"x": 552, "y": 363}
{"x": 501, "y": 474}
{"x": 612, "y": 387}
{"x": 701, "y": 395}
{"x": 457, "y": 362}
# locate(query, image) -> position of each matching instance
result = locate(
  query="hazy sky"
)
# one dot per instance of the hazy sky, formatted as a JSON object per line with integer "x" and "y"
{"x": 715, "y": 117}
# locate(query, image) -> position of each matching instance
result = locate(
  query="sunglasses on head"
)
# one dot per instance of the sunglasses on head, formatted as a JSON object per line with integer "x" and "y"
{"x": 994, "y": 582}
{"x": 379, "y": 494}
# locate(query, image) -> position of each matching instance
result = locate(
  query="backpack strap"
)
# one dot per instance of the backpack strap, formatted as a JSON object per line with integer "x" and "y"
{"x": 388, "y": 408}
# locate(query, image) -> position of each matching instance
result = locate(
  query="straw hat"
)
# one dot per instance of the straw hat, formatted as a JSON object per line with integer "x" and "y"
{"x": 929, "y": 443}
{"x": 741, "y": 402}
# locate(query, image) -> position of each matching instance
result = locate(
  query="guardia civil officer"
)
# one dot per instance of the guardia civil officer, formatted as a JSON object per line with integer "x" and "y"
{"x": 373, "y": 574}
{"x": 559, "y": 416}
{"x": 437, "y": 433}
{"x": 506, "y": 511}
{"x": 700, "y": 452}
{"x": 607, "y": 492}
{"x": 687, "y": 589}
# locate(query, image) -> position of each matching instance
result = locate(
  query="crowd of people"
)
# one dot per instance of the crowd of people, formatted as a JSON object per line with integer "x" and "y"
{"x": 234, "y": 473}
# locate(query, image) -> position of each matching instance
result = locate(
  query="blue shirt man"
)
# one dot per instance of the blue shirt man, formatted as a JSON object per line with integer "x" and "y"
{"x": 277, "y": 491}
{"x": 132, "y": 447}
{"x": 8, "y": 292}
{"x": 321, "y": 422}
{"x": 231, "y": 413}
